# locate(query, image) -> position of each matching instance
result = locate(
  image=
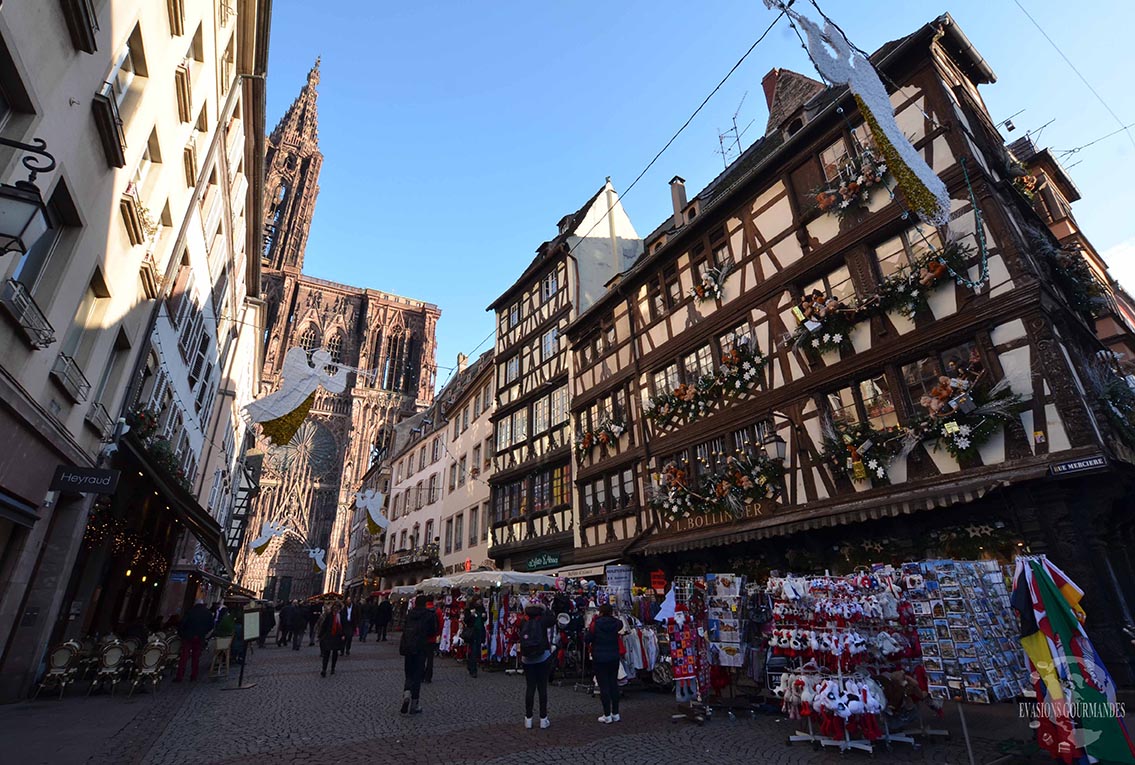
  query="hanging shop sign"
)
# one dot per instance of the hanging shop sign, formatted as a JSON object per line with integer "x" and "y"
{"x": 658, "y": 580}
{"x": 1078, "y": 466}
{"x": 543, "y": 560}
{"x": 85, "y": 480}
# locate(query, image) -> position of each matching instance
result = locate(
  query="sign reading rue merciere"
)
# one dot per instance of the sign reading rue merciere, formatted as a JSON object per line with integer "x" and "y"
{"x": 543, "y": 560}
{"x": 707, "y": 520}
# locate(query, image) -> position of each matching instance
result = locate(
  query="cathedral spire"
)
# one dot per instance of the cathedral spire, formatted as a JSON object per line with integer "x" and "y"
{"x": 300, "y": 124}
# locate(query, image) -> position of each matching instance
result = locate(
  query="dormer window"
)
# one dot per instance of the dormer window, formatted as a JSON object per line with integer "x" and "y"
{"x": 795, "y": 126}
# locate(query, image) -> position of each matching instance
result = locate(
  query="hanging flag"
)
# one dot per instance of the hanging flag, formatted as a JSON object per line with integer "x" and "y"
{"x": 372, "y": 501}
{"x": 841, "y": 64}
{"x": 269, "y": 530}
{"x": 282, "y": 412}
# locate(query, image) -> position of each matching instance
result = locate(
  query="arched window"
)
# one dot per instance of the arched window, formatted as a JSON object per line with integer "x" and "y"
{"x": 335, "y": 348}
{"x": 309, "y": 340}
{"x": 415, "y": 541}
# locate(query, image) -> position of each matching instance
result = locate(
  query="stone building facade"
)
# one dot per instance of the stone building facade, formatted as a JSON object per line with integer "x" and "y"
{"x": 309, "y": 482}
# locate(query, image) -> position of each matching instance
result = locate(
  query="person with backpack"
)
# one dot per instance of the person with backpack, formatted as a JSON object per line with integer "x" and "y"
{"x": 418, "y": 629}
{"x": 603, "y": 636}
{"x": 536, "y": 656}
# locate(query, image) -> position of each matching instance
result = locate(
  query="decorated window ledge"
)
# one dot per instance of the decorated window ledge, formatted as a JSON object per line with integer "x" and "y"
{"x": 608, "y": 432}
{"x": 961, "y": 418}
{"x": 712, "y": 284}
{"x": 1116, "y": 395}
{"x": 739, "y": 372}
{"x": 743, "y": 480}
{"x": 825, "y": 323}
{"x": 849, "y": 194}
{"x": 1071, "y": 273}
{"x": 143, "y": 424}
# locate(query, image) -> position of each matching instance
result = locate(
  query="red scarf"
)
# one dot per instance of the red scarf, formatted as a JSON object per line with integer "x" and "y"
{"x": 336, "y": 628}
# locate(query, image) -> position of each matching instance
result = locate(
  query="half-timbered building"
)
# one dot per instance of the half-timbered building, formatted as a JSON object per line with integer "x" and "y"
{"x": 783, "y": 382}
{"x": 533, "y": 522}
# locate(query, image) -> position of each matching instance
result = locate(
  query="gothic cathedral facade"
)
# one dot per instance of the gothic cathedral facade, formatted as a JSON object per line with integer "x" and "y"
{"x": 390, "y": 339}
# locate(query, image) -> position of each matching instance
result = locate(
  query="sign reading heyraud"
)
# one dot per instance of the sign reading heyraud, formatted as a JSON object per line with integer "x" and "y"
{"x": 706, "y": 520}
{"x": 87, "y": 480}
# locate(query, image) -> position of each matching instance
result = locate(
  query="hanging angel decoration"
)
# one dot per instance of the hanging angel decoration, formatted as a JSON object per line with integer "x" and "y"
{"x": 269, "y": 530}
{"x": 316, "y": 554}
{"x": 841, "y": 64}
{"x": 281, "y": 413}
{"x": 372, "y": 501}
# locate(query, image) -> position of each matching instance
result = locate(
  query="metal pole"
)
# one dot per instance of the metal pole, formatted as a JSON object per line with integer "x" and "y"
{"x": 965, "y": 732}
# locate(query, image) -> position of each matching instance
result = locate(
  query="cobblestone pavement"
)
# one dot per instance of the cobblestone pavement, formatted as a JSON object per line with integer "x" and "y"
{"x": 294, "y": 716}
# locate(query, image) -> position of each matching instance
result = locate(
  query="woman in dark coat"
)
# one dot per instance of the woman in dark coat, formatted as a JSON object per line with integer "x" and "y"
{"x": 473, "y": 632}
{"x": 331, "y": 637}
{"x": 604, "y": 639}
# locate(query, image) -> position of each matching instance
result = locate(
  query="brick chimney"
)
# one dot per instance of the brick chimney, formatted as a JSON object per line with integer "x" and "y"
{"x": 462, "y": 362}
{"x": 678, "y": 196}
{"x": 769, "y": 84}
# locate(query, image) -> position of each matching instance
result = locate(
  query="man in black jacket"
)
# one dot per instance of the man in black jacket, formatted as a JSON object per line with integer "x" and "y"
{"x": 297, "y": 621}
{"x": 195, "y": 626}
{"x": 383, "y": 613}
{"x": 349, "y": 615}
{"x": 267, "y": 622}
{"x": 418, "y": 631}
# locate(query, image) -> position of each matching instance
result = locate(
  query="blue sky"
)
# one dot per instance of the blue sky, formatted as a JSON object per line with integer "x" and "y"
{"x": 455, "y": 135}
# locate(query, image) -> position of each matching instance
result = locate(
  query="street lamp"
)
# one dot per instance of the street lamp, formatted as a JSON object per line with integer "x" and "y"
{"x": 775, "y": 447}
{"x": 23, "y": 214}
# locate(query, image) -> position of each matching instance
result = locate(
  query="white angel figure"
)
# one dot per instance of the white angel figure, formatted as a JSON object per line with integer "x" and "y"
{"x": 269, "y": 530}
{"x": 316, "y": 554}
{"x": 371, "y": 501}
{"x": 298, "y": 380}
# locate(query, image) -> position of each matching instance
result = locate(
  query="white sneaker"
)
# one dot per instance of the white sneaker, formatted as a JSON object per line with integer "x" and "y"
{"x": 615, "y": 718}
{"x": 545, "y": 722}
{"x": 605, "y": 719}
{"x": 528, "y": 723}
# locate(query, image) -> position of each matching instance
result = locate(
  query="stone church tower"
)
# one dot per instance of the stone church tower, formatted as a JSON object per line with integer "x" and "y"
{"x": 308, "y": 482}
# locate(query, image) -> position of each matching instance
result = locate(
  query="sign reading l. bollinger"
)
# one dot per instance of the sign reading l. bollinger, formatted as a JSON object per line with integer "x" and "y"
{"x": 706, "y": 520}
{"x": 88, "y": 480}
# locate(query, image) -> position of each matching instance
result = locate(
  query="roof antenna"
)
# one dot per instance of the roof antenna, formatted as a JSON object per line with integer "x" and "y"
{"x": 733, "y": 145}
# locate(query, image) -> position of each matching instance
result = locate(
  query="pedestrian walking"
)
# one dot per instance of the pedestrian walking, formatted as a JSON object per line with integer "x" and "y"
{"x": 350, "y": 616}
{"x": 536, "y": 657}
{"x": 312, "y": 612}
{"x": 473, "y": 632}
{"x": 195, "y": 626}
{"x": 284, "y": 633}
{"x": 383, "y": 614}
{"x": 366, "y": 614}
{"x": 331, "y": 631}
{"x": 299, "y": 619}
{"x": 418, "y": 630}
{"x": 429, "y": 671}
{"x": 603, "y": 636}
{"x": 267, "y": 622}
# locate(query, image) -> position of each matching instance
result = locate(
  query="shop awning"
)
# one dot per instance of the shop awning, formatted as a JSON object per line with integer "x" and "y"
{"x": 891, "y": 506}
{"x": 208, "y": 576}
{"x": 17, "y": 511}
{"x": 184, "y": 507}
{"x": 584, "y": 570}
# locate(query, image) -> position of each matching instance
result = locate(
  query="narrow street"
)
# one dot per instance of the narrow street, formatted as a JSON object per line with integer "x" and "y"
{"x": 294, "y": 716}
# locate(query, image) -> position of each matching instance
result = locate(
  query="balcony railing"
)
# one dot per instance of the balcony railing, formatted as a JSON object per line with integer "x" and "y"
{"x": 99, "y": 420}
{"x": 69, "y": 377}
{"x": 17, "y": 301}
{"x": 108, "y": 120}
{"x": 82, "y": 23}
{"x": 183, "y": 87}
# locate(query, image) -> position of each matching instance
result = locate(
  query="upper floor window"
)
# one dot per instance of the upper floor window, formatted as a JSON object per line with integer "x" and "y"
{"x": 514, "y": 314}
{"x": 519, "y": 426}
{"x": 435, "y": 454}
{"x": 867, "y": 402}
{"x": 900, "y": 252}
{"x": 666, "y": 380}
{"x": 422, "y": 459}
{"x": 699, "y": 363}
{"x": 932, "y": 382}
{"x": 741, "y": 334}
{"x": 835, "y": 284}
{"x": 833, "y": 158}
{"x": 121, "y": 75}
{"x": 540, "y": 410}
{"x": 549, "y": 286}
{"x": 512, "y": 369}
{"x": 504, "y": 434}
{"x": 559, "y": 406}
{"x": 549, "y": 344}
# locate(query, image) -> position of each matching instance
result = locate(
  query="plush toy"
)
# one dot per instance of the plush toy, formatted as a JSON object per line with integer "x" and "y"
{"x": 935, "y": 270}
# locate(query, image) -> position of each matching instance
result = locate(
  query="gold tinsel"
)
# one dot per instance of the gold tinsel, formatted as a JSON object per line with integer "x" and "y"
{"x": 372, "y": 527}
{"x": 281, "y": 429}
{"x": 919, "y": 198}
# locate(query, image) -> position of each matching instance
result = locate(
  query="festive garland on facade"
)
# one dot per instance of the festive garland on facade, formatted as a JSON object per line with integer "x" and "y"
{"x": 143, "y": 424}
{"x": 970, "y": 542}
{"x": 828, "y": 325}
{"x": 1072, "y": 274}
{"x": 608, "y": 432}
{"x": 711, "y": 286}
{"x": 739, "y": 371}
{"x": 858, "y": 175}
{"x": 860, "y": 452}
{"x": 1115, "y": 394}
{"x": 742, "y": 481}
{"x": 127, "y": 546}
